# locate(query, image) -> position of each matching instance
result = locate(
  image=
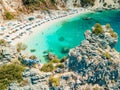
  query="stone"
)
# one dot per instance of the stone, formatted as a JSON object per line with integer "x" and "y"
{"x": 65, "y": 50}
{"x": 61, "y": 39}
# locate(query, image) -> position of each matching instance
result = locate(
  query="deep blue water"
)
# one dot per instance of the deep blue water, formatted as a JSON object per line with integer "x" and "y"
{"x": 71, "y": 32}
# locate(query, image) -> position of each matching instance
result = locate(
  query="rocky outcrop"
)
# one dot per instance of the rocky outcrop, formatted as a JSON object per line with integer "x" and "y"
{"x": 96, "y": 59}
{"x": 7, "y": 54}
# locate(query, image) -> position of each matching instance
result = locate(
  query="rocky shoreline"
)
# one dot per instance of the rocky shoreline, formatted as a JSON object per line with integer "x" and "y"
{"x": 94, "y": 65}
{"x": 97, "y": 60}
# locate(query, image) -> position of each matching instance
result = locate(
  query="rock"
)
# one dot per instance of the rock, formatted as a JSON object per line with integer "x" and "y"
{"x": 51, "y": 56}
{"x": 87, "y": 18}
{"x": 65, "y": 50}
{"x": 46, "y": 52}
{"x": 61, "y": 39}
{"x": 88, "y": 34}
{"x": 32, "y": 50}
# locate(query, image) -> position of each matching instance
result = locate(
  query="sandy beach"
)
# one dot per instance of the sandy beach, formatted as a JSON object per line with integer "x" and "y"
{"x": 42, "y": 27}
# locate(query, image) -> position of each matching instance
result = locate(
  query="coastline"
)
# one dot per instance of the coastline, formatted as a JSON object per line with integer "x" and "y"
{"x": 26, "y": 37}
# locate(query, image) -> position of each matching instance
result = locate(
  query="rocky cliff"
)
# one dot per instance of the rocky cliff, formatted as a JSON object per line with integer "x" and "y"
{"x": 17, "y": 6}
{"x": 96, "y": 59}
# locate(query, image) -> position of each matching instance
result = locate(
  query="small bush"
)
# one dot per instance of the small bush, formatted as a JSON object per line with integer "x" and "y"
{"x": 33, "y": 57}
{"x": 47, "y": 67}
{"x": 55, "y": 81}
{"x": 107, "y": 55}
{"x": 52, "y": 1}
{"x": 3, "y": 42}
{"x": 55, "y": 61}
{"x": 98, "y": 29}
{"x": 32, "y": 50}
{"x": 108, "y": 26}
{"x": 113, "y": 34}
{"x": 8, "y": 16}
{"x": 60, "y": 65}
{"x": 96, "y": 88}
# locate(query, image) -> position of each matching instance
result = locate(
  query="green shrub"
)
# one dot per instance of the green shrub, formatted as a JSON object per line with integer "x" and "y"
{"x": 96, "y": 88}
{"x": 32, "y": 4}
{"x": 10, "y": 73}
{"x": 52, "y": 1}
{"x": 98, "y": 29}
{"x": 47, "y": 67}
{"x": 87, "y": 2}
{"x": 63, "y": 59}
{"x": 8, "y": 16}
{"x": 55, "y": 81}
{"x": 113, "y": 34}
{"x": 55, "y": 61}
{"x": 108, "y": 26}
{"x": 3, "y": 42}
{"x": 107, "y": 55}
{"x": 60, "y": 65}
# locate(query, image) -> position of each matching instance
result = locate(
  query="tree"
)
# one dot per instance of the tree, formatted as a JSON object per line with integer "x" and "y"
{"x": 32, "y": 4}
{"x": 98, "y": 29}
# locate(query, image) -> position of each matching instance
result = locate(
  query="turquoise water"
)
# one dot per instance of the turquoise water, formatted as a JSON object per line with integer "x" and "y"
{"x": 71, "y": 32}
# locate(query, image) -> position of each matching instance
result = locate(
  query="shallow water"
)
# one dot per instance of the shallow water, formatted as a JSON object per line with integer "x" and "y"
{"x": 69, "y": 33}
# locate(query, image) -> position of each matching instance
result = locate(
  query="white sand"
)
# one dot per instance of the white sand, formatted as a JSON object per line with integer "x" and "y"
{"x": 42, "y": 27}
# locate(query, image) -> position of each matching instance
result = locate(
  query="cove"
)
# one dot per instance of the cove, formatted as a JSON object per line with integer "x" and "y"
{"x": 69, "y": 33}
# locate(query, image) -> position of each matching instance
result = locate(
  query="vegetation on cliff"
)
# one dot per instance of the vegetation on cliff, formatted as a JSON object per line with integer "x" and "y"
{"x": 47, "y": 67}
{"x": 8, "y": 16}
{"x": 55, "y": 81}
{"x": 97, "y": 29}
{"x": 10, "y": 73}
{"x": 87, "y": 2}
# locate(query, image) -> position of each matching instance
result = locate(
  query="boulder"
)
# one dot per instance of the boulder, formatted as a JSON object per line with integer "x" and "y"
{"x": 65, "y": 50}
{"x": 61, "y": 39}
{"x": 51, "y": 56}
